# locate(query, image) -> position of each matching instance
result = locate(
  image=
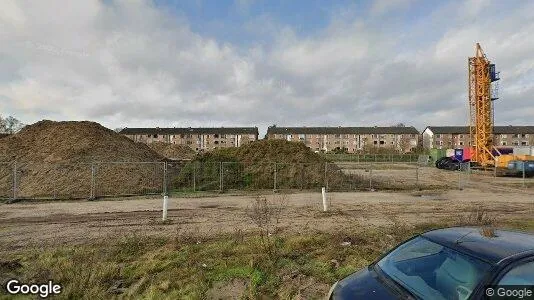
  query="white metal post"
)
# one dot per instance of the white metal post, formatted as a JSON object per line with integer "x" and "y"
{"x": 165, "y": 206}
{"x": 325, "y": 204}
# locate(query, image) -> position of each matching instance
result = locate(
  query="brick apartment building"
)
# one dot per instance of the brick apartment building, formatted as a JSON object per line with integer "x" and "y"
{"x": 444, "y": 137}
{"x": 198, "y": 139}
{"x": 352, "y": 139}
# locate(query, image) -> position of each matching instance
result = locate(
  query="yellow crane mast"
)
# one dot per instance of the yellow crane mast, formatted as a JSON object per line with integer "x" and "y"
{"x": 481, "y": 75}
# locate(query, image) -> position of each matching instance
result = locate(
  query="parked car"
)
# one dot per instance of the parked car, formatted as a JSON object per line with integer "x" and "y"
{"x": 452, "y": 263}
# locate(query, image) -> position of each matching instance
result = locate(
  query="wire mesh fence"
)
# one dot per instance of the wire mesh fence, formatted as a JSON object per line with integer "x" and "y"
{"x": 20, "y": 180}
{"x": 346, "y": 157}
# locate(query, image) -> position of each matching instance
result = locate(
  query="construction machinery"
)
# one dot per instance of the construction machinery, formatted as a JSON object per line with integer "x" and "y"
{"x": 481, "y": 75}
{"x": 483, "y": 91}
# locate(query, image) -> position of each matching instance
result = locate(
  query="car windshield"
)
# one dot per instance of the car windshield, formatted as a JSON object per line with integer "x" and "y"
{"x": 431, "y": 271}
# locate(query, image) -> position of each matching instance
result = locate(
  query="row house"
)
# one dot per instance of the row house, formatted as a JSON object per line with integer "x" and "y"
{"x": 445, "y": 137}
{"x": 350, "y": 139}
{"x": 198, "y": 139}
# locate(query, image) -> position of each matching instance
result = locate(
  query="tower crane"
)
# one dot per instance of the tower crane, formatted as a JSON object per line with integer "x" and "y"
{"x": 481, "y": 74}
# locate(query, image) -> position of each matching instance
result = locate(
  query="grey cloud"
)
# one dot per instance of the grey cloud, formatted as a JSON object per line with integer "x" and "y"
{"x": 131, "y": 64}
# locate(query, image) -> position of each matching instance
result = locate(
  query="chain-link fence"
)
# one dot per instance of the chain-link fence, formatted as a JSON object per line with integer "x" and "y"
{"x": 345, "y": 157}
{"x": 19, "y": 180}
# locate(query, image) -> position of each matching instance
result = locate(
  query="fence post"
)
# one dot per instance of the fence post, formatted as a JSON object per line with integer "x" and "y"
{"x": 302, "y": 176}
{"x": 221, "y": 176}
{"x": 371, "y": 177}
{"x": 93, "y": 194}
{"x": 275, "y": 173}
{"x": 524, "y": 183}
{"x": 326, "y": 175}
{"x": 417, "y": 176}
{"x": 15, "y": 182}
{"x": 325, "y": 205}
{"x": 194, "y": 177}
{"x": 460, "y": 180}
{"x": 165, "y": 179}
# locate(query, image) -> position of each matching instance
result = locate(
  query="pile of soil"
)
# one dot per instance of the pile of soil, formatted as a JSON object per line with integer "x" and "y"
{"x": 173, "y": 151}
{"x": 49, "y": 141}
{"x": 66, "y": 159}
{"x": 255, "y": 165}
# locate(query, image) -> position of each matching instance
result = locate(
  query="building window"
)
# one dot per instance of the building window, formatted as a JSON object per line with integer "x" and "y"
{"x": 302, "y": 136}
{"x": 375, "y": 142}
{"x": 516, "y": 143}
{"x": 216, "y": 142}
{"x": 155, "y": 136}
{"x": 441, "y": 143}
{"x": 461, "y": 143}
{"x": 523, "y": 143}
{"x": 461, "y": 136}
{"x": 382, "y": 142}
{"x": 216, "y": 136}
{"x": 503, "y": 143}
{"x": 503, "y": 136}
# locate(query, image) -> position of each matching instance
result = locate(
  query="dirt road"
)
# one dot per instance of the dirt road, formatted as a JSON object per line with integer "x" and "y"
{"x": 51, "y": 223}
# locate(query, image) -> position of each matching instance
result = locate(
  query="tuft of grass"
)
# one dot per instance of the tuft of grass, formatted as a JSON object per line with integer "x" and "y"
{"x": 155, "y": 268}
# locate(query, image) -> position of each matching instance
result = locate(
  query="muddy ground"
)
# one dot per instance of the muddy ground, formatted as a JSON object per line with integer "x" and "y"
{"x": 50, "y": 223}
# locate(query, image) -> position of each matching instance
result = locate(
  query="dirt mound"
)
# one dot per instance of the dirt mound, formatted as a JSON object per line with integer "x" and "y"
{"x": 49, "y": 141}
{"x": 257, "y": 165}
{"x": 279, "y": 151}
{"x": 75, "y": 160}
{"x": 173, "y": 151}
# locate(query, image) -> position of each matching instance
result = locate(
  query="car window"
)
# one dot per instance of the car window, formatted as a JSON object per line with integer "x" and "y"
{"x": 520, "y": 275}
{"x": 432, "y": 271}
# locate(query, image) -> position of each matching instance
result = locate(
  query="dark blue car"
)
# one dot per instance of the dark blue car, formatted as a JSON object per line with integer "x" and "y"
{"x": 453, "y": 263}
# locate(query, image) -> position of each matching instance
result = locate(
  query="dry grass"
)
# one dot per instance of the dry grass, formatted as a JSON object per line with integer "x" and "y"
{"x": 193, "y": 266}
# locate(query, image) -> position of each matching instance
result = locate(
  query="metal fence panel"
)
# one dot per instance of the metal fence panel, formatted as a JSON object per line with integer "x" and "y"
{"x": 127, "y": 178}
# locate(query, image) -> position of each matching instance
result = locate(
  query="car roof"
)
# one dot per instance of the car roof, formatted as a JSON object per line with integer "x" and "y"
{"x": 472, "y": 241}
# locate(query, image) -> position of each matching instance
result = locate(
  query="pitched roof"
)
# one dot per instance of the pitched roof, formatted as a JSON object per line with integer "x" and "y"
{"x": 496, "y": 129}
{"x": 342, "y": 130}
{"x": 190, "y": 130}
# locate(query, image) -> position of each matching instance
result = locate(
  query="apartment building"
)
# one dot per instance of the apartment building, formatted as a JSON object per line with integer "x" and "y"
{"x": 351, "y": 139}
{"x": 445, "y": 137}
{"x": 198, "y": 139}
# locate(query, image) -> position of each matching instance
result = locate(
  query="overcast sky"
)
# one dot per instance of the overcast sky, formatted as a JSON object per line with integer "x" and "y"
{"x": 261, "y": 62}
